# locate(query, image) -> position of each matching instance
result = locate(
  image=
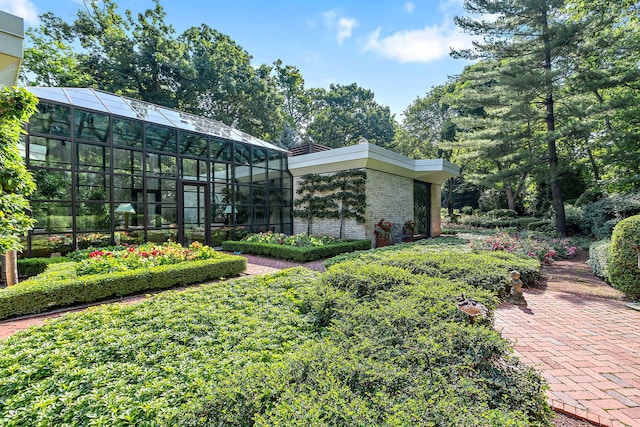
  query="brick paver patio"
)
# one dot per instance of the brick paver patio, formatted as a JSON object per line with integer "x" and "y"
{"x": 587, "y": 348}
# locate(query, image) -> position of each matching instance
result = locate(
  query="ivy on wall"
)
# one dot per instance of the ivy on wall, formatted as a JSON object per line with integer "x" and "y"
{"x": 339, "y": 196}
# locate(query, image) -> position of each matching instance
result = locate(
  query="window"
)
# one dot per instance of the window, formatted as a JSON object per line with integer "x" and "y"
{"x": 127, "y": 161}
{"x": 91, "y": 126}
{"x": 192, "y": 144}
{"x": 51, "y": 119}
{"x": 160, "y": 138}
{"x": 49, "y": 152}
{"x": 127, "y": 133}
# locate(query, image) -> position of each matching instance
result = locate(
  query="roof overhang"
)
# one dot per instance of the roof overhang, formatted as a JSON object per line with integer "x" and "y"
{"x": 11, "y": 37}
{"x": 370, "y": 156}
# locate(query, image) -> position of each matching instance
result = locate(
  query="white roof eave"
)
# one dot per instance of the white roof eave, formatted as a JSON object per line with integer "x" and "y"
{"x": 371, "y": 156}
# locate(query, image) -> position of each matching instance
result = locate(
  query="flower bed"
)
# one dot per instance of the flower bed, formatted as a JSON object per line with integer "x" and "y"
{"x": 543, "y": 249}
{"x": 61, "y": 284}
{"x": 299, "y": 248}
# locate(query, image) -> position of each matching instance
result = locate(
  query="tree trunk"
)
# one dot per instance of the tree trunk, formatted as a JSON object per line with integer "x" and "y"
{"x": 11, "y": 267}
{"x": 511, "y": 198}
{"x": 552, "y": 152}
{"x": 450, "y": 197}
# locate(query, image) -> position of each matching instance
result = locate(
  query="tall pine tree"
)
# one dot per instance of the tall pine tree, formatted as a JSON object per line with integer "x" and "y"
{"x": 531, "y": 42}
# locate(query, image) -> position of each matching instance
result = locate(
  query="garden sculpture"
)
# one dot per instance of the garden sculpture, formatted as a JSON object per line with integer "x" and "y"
{"x": 516, "y": 297}
{"x": 471, "y": 307}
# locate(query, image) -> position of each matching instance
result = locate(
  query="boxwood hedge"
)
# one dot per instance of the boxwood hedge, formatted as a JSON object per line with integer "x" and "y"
{"x": 28, "y": 267}
{"x": 294, "y": 253}
{"x": 59, "y": 287}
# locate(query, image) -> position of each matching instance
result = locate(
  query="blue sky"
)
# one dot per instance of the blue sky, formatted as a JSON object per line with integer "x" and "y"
{"x": 398, "y": 49}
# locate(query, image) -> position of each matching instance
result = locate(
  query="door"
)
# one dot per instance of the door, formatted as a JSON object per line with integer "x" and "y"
{"x": 195, "y": 213}
{"x": 421, "y": 207}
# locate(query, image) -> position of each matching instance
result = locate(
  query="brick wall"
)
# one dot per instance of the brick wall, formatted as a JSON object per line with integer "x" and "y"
{"x": 388, "y": 196}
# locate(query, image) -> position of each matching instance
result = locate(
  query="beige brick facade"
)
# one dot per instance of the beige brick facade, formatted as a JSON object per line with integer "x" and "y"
{"x": 388, "y": 196}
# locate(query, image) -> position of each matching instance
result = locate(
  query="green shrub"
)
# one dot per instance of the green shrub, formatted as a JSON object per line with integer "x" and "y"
{"x": 519, "y": 223}
{"x": 544, "y": 225}
{"x": 59, "y": 286}
{"x": 574, "y": 221}
{"x": 28, "y": 267}
{"x": 365, "y": 280}
{"x": 624, "y": 271}
{"x": 601, "y": 216}
{"x": 599, "y": 258}
{"x": 294, "y": 253}
{"x": 502, "y": 214}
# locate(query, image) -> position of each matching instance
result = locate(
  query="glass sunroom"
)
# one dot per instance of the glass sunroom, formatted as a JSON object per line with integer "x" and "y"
{"x": 110, "y": 169}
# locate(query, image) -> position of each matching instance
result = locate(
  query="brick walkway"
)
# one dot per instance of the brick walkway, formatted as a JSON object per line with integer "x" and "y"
{"x": 587, "y": 348}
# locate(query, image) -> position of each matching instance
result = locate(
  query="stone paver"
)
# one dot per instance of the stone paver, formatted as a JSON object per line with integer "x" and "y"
{"x": 588, "y": 349}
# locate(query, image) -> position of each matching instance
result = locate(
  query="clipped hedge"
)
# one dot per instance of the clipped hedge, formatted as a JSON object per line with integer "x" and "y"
{"x": 599, "y": 258}
{"x": 59, "y": 287}
{"x": 294, "y": 253}
{"x": 29, "y": 267}
{"x": 624, "y": 268}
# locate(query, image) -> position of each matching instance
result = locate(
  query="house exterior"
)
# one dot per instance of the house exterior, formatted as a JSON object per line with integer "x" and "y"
{"x": 11, "y": 38}
{"x": 397, "y": 189}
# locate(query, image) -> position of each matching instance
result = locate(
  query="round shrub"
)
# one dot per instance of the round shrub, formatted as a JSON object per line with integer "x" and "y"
{"x": 624, "y": 272}
{"x": 599, "y": 258}
{"x": 366, "y": 279}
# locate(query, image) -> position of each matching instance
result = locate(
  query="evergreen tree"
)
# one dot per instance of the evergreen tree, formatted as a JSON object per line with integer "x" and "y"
{"x": 531, "y": 43}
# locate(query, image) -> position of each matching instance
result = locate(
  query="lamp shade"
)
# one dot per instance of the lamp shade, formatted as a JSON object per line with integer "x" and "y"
{"x": 125, "y": 208}
{"x": 229, "y": 209}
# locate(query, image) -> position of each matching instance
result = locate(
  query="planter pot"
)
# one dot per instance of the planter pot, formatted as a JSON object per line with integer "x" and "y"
{"x": 382, "y": 242}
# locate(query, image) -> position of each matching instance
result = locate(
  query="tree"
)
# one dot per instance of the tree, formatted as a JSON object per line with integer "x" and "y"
{"x": 345, "y": 114}
{"x": 532, "y": 44}
{"x": 16, "y": 183}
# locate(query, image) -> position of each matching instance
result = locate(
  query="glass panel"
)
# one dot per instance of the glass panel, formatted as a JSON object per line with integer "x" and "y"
{"x": 126, "y": 188}
{"x": 93, "y": 157}
{"x": 92, "y": 216}
{"x": 258, "y": 174}
{"x": 47, "y": 244}
{"x": 241, "y": 154}
{"x": 53, "y": 153}
{"x": 221, "y": 172}
{"x": 275, "y": 160}
{"x": 161, "y": 190}
{"x": 52, "y": 216}
{"x": 242, "y": 173}
{"x": 92, "y": 186}
{"x": 161, "y": 216}
{"x": 164, "y": 235}
{"x": 193, "y": 144}
{"x": 220, "y": 150}
{"x": 92, "y": 126}
{"x": 273, "y": 174}
{"x": 52, "y": 184}
{"x": 194, "y": 211}
{"x": 96, "y": 240}
{"x": 127, "y": 161}
{"x": 51, "y": 119}
{"x": 421, "y": 202}
{"x": 242, "y": 194}
{"x": 127, "y": 132}
{"x": 160, "y": 138}
{"x": 259, "y": 157}
{"x": 260, "y": 215}
{"x": 126, "y": 219}
{"x": 161, "y": 165}
{"x": 195, "y": 170}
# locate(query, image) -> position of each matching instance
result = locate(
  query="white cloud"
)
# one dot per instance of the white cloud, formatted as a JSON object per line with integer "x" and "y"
{"x": 425, "y": 45}
{"x": 446, "y": 5}
{"x": 409, "y": 6}
{"x": 22, "y": 8}
{"x": 342, "y": 26}
{"x": 345, "y": 27}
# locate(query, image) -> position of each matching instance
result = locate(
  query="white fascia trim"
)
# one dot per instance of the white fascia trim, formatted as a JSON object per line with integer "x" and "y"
{"x": 371, "y": 156}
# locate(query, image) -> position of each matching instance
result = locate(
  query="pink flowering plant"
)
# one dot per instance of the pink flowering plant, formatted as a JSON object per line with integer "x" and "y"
{"x": 544, "y": 250}
{"x": 123, "y": 258}
{"x": 383, "y": 229}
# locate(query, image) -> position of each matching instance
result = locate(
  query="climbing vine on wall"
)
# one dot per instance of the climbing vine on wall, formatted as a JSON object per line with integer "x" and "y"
{"x": 340, "y": 196}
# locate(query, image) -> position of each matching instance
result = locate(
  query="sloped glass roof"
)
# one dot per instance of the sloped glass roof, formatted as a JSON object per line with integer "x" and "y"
{"x": 128, "y": 107}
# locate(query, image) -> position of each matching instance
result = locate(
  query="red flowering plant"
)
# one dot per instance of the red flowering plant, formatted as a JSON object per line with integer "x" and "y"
{"x": 132, "y": 257}
{"x": 383, "y": 229}
{"x": 409, "y": 227}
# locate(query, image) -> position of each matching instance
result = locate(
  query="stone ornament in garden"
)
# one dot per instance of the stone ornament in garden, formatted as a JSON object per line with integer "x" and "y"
{"x": 516, "y": 297}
